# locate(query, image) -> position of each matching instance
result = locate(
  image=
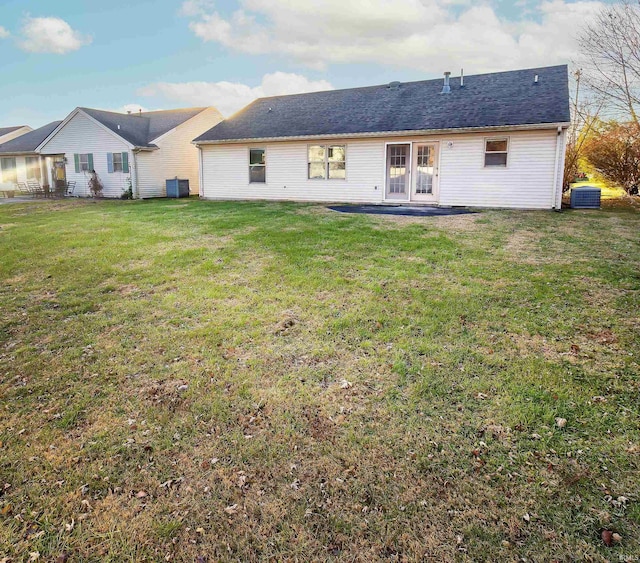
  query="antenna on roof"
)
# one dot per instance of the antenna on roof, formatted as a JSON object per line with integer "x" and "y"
{"x": 462, "y": 78}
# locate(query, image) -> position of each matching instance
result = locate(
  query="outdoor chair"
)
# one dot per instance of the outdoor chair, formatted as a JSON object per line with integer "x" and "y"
{"x": 71, "y": 186}
{"x": 24, "y": 189}
{"x": 36, "y": 188}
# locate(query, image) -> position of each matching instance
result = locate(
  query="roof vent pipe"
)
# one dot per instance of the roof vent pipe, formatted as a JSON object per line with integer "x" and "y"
{"x": 535, "y": 79}
{"x": 446, "y": 89}
{"x": 462, "y": 78}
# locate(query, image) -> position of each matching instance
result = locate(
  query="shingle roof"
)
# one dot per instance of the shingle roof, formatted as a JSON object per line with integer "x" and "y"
{"x": 6, "y": 130}
{"x": 29, "y": 141}
{"x": 486, "y": 100}
{"x": 140, "y": 129}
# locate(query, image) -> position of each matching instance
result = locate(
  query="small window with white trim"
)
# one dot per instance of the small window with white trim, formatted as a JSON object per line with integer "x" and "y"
{"x": 257, "y": 166}
{"x": 117, "y": 162}
{"x": 83, "y": 161}
{"x": 495, "y": 152}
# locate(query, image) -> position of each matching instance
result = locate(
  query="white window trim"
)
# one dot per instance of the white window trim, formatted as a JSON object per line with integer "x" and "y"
{"x": 485, "y": 152}
{"x": 326, "y": 161}
{"x": 121, "y": 163}
{"x": 249, "y": 149}
{"x": 80, "y": 155}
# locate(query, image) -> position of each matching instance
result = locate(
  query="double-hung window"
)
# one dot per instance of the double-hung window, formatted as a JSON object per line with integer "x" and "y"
{"x": 83, "y": 162}
{"x": 117, "y": 162}
{"x": 495, "y": 151}
{"x": 33, "y": 168}
{"x": 257, "y": 166}
{"x": 9, "y": 170}
{"x": 327, "y": 162}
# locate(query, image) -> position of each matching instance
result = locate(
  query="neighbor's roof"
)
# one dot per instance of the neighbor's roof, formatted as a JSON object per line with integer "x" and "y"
{"x": 6, "y": 130}
{"x": 29, "y": 141}
{"x": 140, "y": 129}
{"x": 486, "y": 100}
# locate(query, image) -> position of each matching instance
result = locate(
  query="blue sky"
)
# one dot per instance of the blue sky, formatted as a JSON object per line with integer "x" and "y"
{"x": 175, "y": 53}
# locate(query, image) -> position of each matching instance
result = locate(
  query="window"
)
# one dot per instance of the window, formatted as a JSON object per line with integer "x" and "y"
{"x": 495, "y": 151}
{"x": 118, "y": 162}
{"x": 257, "y": 166}
{"x": 33, "y": 168}
{"x": 83, "y": 162}
{"x": 8, "y": 169}
{"x": 327, "y": 162}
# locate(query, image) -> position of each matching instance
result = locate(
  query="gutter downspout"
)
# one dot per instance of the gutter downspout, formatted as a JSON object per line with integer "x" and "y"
{"x": 136, "y": 189}
{"x": 556, "y": 179}
{"x": 200, "y": 173}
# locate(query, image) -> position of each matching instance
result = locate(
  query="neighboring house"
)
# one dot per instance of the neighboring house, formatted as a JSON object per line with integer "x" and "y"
{"x": 139, "y": 150}
{"x": 8, "y": 133}
{"x": 20, "y": 162}
{"x": 490, "y": 140}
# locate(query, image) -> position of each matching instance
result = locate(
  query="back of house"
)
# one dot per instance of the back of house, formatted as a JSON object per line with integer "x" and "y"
{"x": 134, "y": 152}
{"x": 489, "y": 140}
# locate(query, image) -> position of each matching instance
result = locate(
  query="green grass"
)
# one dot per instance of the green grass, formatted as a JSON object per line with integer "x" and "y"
{"x": 271, "y": 381}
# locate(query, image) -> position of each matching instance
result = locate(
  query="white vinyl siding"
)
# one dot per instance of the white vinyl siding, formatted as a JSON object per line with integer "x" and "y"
{"x": 463, "y": 180}
{"x": 82, "y": 136}
{"x": 225, "y": 173}
{"x": 526, "y": 182}
{"x": 176, "y": 156}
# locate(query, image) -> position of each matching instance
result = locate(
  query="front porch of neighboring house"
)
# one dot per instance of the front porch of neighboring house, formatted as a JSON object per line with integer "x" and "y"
{"x": 45, "y": 173}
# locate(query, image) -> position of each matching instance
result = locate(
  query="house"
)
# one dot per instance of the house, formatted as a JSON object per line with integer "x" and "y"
{"x": 138, "y": 151}
{"x": 8, "y": 133}
{"x": 489, "y": 140}
{"x": 20, "y": 161}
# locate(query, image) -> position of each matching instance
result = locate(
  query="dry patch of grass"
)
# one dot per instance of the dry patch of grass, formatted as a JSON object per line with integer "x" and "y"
{"x": 211, "y": 381}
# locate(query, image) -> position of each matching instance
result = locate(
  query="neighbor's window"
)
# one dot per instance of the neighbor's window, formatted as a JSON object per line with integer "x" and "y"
{"x": 257, "y": 166}
{"x": 33, "y": 168}
{"x": 495, "y": 151}
{"x": 9, "y": 170}
{"x": 327, "y": 161}
{"x": 117, "y": 162}
{"x": 83, "y": 162}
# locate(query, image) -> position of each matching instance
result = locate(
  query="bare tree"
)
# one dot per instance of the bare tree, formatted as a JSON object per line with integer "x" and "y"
{"x": 611, "y": 50}
{"x": 585, "y": 113}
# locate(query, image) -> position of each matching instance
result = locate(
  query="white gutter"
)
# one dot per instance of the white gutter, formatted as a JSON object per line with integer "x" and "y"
{"x": 557, "y": 178}
{"x": 409, "y": 133}
{"x": 136, "y": 189}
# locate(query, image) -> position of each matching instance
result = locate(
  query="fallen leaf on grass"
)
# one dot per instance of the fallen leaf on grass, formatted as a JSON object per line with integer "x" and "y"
{"x": 481, "y": 396}
{"x": 344, "y": 384}
{"x": 70, "y": 525}
{"x": 607, "y": 537}
{"x": 561, "y": 422}
{"x": 526, "y": 517}
{"x": 62, "y": 558}
{"x": 141, "y": 494}
{"x": 231, "y": 509}
{"x": 34, "y": 555}
{"x": 6, "y": 510}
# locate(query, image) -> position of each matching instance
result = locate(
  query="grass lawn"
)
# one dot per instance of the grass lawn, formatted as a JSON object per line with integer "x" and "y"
{"x": 200, "y": 381}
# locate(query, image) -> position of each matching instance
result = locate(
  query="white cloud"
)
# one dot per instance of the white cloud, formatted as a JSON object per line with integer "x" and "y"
{"x": 4, "y": 32}
{"x": 228, "y": 97}
{"x": 429, "y": 35}
{"x": 196, "y": 7}
{"x": 50, "y": 35}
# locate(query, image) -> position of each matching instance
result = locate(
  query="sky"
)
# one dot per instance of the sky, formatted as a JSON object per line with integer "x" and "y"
{"x": 163, "y": 54}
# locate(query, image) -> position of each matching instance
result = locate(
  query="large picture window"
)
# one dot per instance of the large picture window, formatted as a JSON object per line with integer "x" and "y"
{"x": 257, "y": 166}
{"x": 327, "y": 162}
{"x": 495, "y": 151}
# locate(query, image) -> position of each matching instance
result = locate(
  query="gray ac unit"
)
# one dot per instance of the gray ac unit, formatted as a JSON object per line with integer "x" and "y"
{"x": 585, "y": 197}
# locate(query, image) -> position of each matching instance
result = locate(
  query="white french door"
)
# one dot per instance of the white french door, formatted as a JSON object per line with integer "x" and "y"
{"x": 398, "y": 172}
{"x": 424, "y": 181}
{"x": 411, "y": 172}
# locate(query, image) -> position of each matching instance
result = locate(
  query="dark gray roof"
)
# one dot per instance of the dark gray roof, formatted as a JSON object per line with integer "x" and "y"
{"x": 6, "y": 130}
{"x": 486, "y": 100}
{"x": 140, "y": 129}
{"x": 29, "y": 141}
